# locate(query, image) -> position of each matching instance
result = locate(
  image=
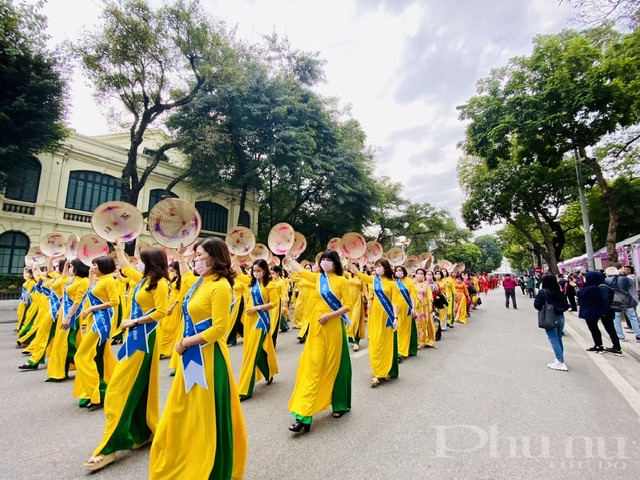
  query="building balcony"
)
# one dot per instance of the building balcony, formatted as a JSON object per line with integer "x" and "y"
{"x": 19, "y": 208}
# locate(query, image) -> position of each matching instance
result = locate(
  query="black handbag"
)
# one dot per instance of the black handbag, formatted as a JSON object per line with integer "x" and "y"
{"x": 547, "y": 316}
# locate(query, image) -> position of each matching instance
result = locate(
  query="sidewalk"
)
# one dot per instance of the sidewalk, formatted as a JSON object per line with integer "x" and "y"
{"x": 8, "y": 311}
{"x": 630, "y": 347}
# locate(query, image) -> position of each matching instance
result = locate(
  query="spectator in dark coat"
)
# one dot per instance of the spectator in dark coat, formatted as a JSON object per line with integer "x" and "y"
{"x": 550, "y": 293}
{"x": 595, "y": 304}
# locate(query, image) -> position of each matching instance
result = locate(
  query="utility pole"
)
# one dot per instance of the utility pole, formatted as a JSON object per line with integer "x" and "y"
{"x": 586, "y": 226}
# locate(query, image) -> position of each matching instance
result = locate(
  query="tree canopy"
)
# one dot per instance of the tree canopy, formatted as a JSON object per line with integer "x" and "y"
{"x": 574, "y": 90}
{"x": 32, "y": 96}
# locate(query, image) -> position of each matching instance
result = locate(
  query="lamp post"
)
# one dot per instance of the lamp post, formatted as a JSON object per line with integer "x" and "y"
{"x": 585, "y": 216}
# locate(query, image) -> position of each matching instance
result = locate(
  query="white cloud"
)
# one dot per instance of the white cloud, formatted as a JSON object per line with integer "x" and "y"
{"x": 402, "y": 65}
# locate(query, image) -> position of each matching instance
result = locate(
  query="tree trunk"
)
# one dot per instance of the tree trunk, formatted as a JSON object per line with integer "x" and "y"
{"x": 607, "y": 197}
{"x": 243, "y": 201}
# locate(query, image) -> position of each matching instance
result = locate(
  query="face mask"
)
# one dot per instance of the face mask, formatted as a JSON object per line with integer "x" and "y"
{"x": 140, "y": 267}
{"x": 419, "y": 277}
{"x": 257, "y": 275}
{"x": 399, "y": 274}
{"x": 70, "y": 272}
{"x": 430, "y": 278}
{"x": 327, "y": 265}
{"x": 200, "y": 266}
{"x": 380, "y": 271}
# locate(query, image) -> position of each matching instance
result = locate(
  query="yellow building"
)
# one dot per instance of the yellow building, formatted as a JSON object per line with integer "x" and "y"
{"x": 63, "y": 188}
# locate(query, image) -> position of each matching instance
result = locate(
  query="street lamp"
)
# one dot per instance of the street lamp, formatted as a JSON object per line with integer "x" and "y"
{"x": 586, "y": 227}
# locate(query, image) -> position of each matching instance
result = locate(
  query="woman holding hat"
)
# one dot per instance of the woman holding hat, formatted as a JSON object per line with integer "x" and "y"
{"x": 355, "y": 331}
{"x": 407, "y": 330}
{"x": 323, "y": 378}
{"x": 258, "y": 354}
{"x": 94, "y": 359}
{"x": 131, "y": 401}
{"x": 383, "y": 321}
{"x": 202, "y": 433}
{"x": 68, "y": 333}
{"x": 25, "y": 297}
{"x": 304, "y": 304}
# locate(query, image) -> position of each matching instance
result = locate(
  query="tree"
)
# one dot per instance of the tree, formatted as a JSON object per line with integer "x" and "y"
{"x": 153, "y": 62}
{"x": 596, "y": 12}
{"x": 530, "y": 197}
{"x": 467, "y": 253}
{"x": 573, "y": 91}
{"x": 517, "y": 249}
{"x": 32, "y": 94}
{"x": 491, "y": 253}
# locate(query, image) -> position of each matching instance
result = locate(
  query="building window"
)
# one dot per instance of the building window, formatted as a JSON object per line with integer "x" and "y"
{"x": 87, "y": 190}
{"x": 156, "y": 195}
{"x": 13, "y": 247}
{"x": 214, "y": 216}
{"x": 245, "y": 219}
{"x": 26, "y": 189}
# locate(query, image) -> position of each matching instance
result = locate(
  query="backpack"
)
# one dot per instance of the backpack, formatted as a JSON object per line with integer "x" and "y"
{"x": 619, "y": 298}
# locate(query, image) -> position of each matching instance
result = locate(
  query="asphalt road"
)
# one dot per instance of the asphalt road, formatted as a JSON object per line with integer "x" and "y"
{"x": 482, "y": 405}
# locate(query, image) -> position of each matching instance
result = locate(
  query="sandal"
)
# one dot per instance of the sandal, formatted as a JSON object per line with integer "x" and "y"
{"x": 136, "y": 446}
{"x": 337, "y": 414}
{"x": 374, "y": 382}
{"x": 99, "y": 462}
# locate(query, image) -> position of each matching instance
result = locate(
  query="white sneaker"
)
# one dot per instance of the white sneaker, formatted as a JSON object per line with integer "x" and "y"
{"x": 558, "y": 366}
{"x": 356, "y": 347}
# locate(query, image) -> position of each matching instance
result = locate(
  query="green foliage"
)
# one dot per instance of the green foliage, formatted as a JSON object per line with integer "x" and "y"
{"x": 626, "y": 194}
{"x": 491, "y": 251}
{"x": 33, "y": 91}
{"x": 516, "y": 249}
{"x": 467, "y": 253}
{"x": 153, "y": 61}
{"x": 10, "y": 283}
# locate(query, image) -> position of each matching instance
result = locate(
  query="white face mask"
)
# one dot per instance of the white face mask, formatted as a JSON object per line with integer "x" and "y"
{"x": 200, "y": 266}
{"x": 327, "y": 265}
{"x": 400, "y": 274}
{"x": 419, "y": 277}
{"x": 430, "y": 278}
{"x": 380, "y": 271}
{"x": 140, "y": 267}
{"x": 258, "y": 275}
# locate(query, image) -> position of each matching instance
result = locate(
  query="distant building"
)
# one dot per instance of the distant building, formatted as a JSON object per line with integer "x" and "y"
{"x": 63, "y": 188}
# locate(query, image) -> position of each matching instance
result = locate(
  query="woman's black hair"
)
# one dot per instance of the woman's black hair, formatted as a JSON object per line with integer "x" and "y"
{"x": 424, "y": 272}
{"x": 401, "y": 267}
{"x": 155, "y": 266}
{"x": 551, "y": 286}
{"x": 61, "y": 264}
{"x": 105, "y": 264}
{"x": 333, "y": 257}
{"x": 388, "y": 272}
{"x": 178, "y": 279}
{"x": 79, "y": 268}
{"x": 266, "y": 278}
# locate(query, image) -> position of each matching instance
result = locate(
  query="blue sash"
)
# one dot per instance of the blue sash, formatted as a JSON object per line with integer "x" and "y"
{"x": 37, "y": 287}
{"x": 405, "y": 294}
{"x": 101, "y": 318}
{"x": 54, "y": 301}
{"x": 264, "y": 321}
{"x": 23, "y": 295}
{"x": 137, "y": 336}
{"x": 67, "y": 303}
{"x": 384, "y": 301}
{"x": 329, "y": 297}
{"x": 192, "y": 359}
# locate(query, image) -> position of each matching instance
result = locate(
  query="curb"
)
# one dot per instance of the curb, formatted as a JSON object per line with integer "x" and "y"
{"x": 632, "y": 349}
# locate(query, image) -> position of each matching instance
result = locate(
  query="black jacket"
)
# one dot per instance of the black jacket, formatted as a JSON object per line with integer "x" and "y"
{"x": 560, "y": 303}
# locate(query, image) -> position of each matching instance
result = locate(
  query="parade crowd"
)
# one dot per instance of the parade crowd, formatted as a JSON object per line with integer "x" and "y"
{"x": 192, "y": 309}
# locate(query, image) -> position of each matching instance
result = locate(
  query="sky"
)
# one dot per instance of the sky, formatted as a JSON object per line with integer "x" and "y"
{"x": 401, "y": 65}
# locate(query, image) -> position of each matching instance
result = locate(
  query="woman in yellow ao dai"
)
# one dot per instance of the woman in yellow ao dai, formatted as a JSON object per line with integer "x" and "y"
{"x": 323, "y": 378}
{"x": 204, "y": 391}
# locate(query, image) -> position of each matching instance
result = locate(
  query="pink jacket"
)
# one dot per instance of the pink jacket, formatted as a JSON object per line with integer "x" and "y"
{"x": 509, "y": 283}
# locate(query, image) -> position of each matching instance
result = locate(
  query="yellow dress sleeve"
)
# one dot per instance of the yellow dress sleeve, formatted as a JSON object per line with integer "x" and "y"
{"x": 220, "y": 298}
{"x": 368, "y": 279}
{"x": 133, "y": 274}
{"x": 83, "y": 286}
{"x": 272, "y": 295}
{"x": 113, "y": 297}
{"x": 160, "y": 299}
{"x": 345, "y": 294}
